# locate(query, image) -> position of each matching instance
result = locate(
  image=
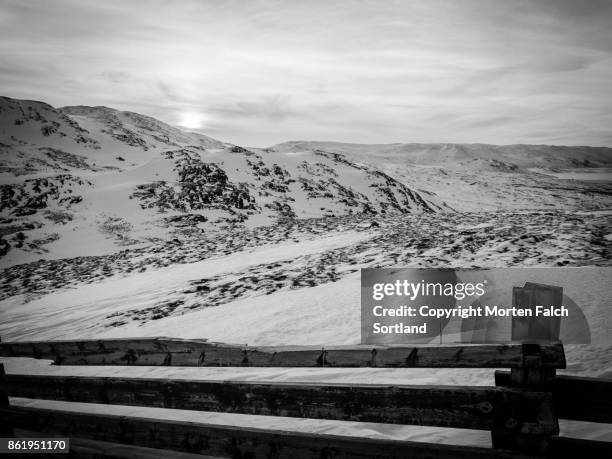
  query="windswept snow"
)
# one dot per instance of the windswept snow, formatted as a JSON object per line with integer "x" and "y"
{"x": 84, "y": 311}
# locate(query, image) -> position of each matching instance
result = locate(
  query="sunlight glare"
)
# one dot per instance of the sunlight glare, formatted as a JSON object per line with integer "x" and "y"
{"x": 191, "y": 120}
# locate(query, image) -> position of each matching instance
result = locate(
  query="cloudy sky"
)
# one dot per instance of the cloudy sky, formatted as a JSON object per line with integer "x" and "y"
{"x": 260, "y": 72}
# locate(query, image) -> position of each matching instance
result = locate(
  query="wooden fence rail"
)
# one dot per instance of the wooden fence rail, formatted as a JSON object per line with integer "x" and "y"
{"x": 174, "y": 352}
{"x": 521, "y": 411}
{"x": 576, "y": 398}
{"x": 485, "y": 408}
{"x": 228, "y": 441}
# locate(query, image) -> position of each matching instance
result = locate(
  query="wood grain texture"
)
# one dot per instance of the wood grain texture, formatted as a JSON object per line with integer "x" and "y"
{"x": 576, "y": 398}
{"x": 529, "y": 377}
{"x": 175, "y": 352}
{"x": 231, "y": 441}
{"x": 484, "y": 408}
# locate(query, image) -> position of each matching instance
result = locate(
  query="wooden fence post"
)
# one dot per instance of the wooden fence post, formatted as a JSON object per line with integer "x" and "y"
{"x": 6, "y": 430}
{"x": 534, "y": 376}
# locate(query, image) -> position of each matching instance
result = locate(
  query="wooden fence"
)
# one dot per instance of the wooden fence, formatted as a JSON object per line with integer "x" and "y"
{"x": 521, "y": 411}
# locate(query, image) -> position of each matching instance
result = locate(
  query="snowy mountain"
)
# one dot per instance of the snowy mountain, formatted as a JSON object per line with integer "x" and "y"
{"x": 115, "y": 224}
{"x": 92, "y": 180}
{"x": 472, "y": 156}
{"x": 479, "y": 177}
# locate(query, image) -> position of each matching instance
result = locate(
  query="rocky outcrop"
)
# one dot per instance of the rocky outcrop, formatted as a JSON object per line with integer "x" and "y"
{"x": 199, "y": 186}
{"x": 34, "y": 195}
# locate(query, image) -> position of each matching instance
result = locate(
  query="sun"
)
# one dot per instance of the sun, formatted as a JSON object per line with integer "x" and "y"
{"x": 191, "y": 120}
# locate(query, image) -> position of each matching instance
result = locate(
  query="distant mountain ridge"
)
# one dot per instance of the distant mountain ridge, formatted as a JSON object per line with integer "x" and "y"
{"x": 449, "y": 154}
{"x": 480, "y": 177}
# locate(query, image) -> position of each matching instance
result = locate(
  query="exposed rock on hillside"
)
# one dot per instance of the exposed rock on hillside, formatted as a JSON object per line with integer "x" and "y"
{"x": 34, "y": 195}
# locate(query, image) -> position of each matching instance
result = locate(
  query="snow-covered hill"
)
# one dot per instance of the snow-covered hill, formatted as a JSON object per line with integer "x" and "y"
{"x": 92, "y": 180}
{"x": 473, "y": 156}
{"x": 117, "y": 224}
{"x": 477, "y": 177}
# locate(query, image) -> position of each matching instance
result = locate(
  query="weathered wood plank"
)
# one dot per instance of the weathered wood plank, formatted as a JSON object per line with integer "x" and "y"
{"x": 91, "y": 449}
{"x": 231, "y": 441}
{"x": 175, "y": 352}
{"x": 576, "y": 398}
{"x": 3, "y": 387}
{"x": 571, "y": 448}
{"x": 83, "y": 448}
{"x": 6, "y": 429}
{"x": 485, "y": 408}
{"x": 532, "y": 376}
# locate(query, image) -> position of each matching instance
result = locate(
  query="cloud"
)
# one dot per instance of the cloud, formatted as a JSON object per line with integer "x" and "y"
{"x": 266, "y": 71}
{"x": 274, "y": 107}
{"x": 116, "y": 77}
